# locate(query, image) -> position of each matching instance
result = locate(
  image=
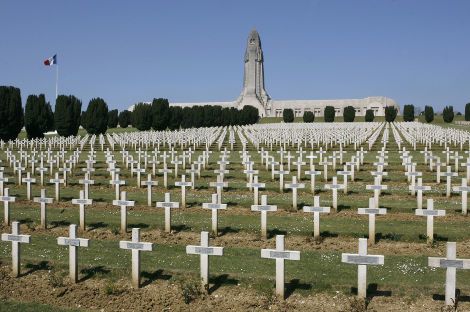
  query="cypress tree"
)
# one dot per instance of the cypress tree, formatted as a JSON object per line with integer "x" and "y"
{"x": 96, "y": 116}
{"x": 11, "y": 113}
{"x": 142, "y": 117}
{"x": 187, "y": 119}
{"x": 448, "y": 114}
{"x": 349, "y": 114}
{"x": 369, "y": 115}
{"x": 467, "y": 112}
{"x": 67, "y": 115}
{"x": 329, "y": 114}
{"x": 309, "y": 117}
{"x": 176, "y": 117}
{"x": 288, "y": 115}
{"x": 160, "y": 114}
{"x": 113, "y": 118}
{"x": 37, "y": 116}
{"x": 390, "y": 113}
{"x": 409, "y": 112}
{"x": 428, "y": 114}
{"x": 125, "y": 118}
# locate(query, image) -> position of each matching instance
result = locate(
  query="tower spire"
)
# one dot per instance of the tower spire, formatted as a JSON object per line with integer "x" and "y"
{"x": 253, "y": 92}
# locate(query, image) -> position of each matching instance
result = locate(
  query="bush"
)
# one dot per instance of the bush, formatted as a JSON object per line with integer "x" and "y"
{"x": 113, "y": 118}
{"x": 142, "y": 117}
{"x": 349, "y": 114}
{"x": 369, "y": 115}
{"x": 409, "y": 112}
{"x": 309, "y": 117}
{"x": 248, "y": 115}
{"x": 329, "y": 114}
{"x": 96, "y": 117}
{"x": 124, "y": 118}
{"x": 160, "y": 114}
{"x": 390, "y": 113}
{"x": 67, "y": 115}
{"x": 288, "y": 115}
{"x": 11, "y": 113}
{"x": 428, "y": 114}
{"x": 38, "y": 117}
{"x": 448, "y": 114}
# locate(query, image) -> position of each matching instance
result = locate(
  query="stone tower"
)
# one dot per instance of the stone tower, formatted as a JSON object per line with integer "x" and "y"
{"x": 253, "y": 92}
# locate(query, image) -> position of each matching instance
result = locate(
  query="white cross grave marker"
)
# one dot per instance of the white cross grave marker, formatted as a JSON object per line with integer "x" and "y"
{"x": 214, "y": 206}
{"x": 73, "y": 242}
{"x": 451, "y": 264}
{"x": 264, "y": 208}
{"x": 136, "y": 246}
{"x": 6, "y": 199}
{"x": 430, "y": 213}
{"x": 362, "y": 259}
{"x": 280, "y": 254}
{"x": 123, "y": 203}
{"x": 316, "y": 209}
{"x": 372, "y": 211}
{"x": 168, "y": 205}
{"x": 82, "y": 201}
{"x": 16, "y": 239}
{"x": 43, "y": 200}
{"x": 204, "y": 250}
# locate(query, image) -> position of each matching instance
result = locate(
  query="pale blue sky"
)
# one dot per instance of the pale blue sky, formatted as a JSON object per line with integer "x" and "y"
{"x": 414, "y": 51}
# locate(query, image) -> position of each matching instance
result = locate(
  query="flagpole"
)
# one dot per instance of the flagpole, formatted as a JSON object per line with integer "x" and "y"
{"x": 56, "y": 80}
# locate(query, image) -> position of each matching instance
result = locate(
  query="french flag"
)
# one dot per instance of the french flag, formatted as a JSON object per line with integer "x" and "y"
{"x": 51, "y": 61}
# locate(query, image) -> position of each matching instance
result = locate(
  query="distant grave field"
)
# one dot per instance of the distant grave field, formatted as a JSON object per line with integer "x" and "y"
{"x": 251, "y": 189}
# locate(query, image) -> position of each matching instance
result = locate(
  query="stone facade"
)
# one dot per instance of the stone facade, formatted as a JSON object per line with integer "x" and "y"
{"x": 254, "y": 92}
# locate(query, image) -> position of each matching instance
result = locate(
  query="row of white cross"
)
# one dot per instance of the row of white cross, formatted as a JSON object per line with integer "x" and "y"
{"x": 362, "y": 259}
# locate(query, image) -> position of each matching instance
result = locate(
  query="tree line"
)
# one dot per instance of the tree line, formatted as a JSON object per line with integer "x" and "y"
{"x": 349, "y": 114}
{"x": 38, "y": 118}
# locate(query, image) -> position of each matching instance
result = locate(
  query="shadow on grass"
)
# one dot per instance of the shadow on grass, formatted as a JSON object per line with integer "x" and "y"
{"x": 326, "y": 234}
{"x": 97, "y": 225}
{"x": 458, "y": 298}
{"x": 56, "y": 224}
{"x": 27, "y": 221}
{"x": 272, "y": 233}
{"x": 138, "y": 225}
{"x": 41, "y": 266}
{"x": 388, "y": 236}
{"x": 227, "y": 230}
{"x": 343, "y": 207}
{"x": 295, "y": 284}
{"x": 221, "y": 280}
{"x": 436, "y": 237}
{"x": 153, "y": 276}
{"x": 180, "y": 228}
{"x": 91, "y": 272}
{"x": 372, "y": 291}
